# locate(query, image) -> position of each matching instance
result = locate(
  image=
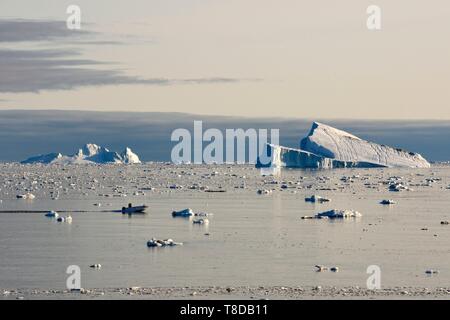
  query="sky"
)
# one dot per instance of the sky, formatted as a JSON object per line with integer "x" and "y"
{"x": 258, "y": 58}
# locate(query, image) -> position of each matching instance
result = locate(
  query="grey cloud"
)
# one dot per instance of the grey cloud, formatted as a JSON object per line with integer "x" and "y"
{"x": 33, "y": 71}
{"x": 20, "y": 30}
{"x": 57, "y": 69}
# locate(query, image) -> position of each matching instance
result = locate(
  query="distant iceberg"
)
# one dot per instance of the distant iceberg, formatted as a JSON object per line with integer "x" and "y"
{"x": 90, "y": 153}
{"x": 328, "y": 147}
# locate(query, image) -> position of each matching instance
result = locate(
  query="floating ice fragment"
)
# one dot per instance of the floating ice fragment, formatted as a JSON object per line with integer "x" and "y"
{"x": 26, "y": 196}
{"x": 387, "y": 201}
{"x": 52, "y": 214}
{"x": 338, "y": 214}
{"x": 162, "y": 243}
{"x": 201, "y": 221}
{"x": 318, "y": 199}
{"x": 264, "y": 191}
{"x": 183, "y": 213}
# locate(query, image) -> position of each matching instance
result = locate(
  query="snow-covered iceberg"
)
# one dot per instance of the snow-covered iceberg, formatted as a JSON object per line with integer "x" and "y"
{"x": 90, "y": 153}
{"x": 44, "y": 158}
{"x": 328, "y": 147}
{"x": 333, "y": 143}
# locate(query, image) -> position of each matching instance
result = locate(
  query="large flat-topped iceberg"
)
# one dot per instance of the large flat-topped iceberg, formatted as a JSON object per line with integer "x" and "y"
{"x": 328, "y": 147}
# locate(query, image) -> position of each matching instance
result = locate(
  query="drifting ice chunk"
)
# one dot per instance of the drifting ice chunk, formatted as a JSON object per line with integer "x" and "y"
{"x": 26, "y": 196}
{"x": 162, "y": 243}
{"x": 201, "y": 221}
{"x": 52, "y": 214}
{"x": 339, "y": 214}
{"x": 183, "y": 213}
{"x": 318, "y": 199}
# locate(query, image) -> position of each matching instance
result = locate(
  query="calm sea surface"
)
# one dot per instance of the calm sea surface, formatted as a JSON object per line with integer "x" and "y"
{"x": 251, "y": 239}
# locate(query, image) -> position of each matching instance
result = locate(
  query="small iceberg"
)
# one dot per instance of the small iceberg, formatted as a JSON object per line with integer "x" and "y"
{"x": 318, "y": 199}
{"x": 387, "y": 202}
{"x": 162, "y": 243}
{"x": 397, "y": 187}
{"x": 26, "y": 196}
{"x": 321, "y": 268}
{"x": 52, "y": 214}
{"x": 338, "y": 214}
{"x": 202, "y": 214}
{"x": 201, "y": 221}
{"x": 183, "y": 213}
{"x": 67, "y": 219}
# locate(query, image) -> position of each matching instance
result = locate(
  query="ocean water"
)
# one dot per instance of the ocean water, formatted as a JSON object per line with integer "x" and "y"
{"x": 251, "y": 239}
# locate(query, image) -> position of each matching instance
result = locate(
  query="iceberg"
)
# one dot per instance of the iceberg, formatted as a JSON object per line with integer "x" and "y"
{"x": 90, "y": 153}
{"x": 43, "y": 158}
{"x": 326, "y": 147}
{"x": 333, "y": 143}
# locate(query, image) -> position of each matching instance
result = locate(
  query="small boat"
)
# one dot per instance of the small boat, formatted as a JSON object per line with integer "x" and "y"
{"x": 136, "y": 209}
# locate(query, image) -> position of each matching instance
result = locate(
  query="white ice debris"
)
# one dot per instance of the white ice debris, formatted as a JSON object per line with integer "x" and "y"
{"x": 90, "y": 153}
{"x": 321, "y": 268}
{"x": 52, "y": 214}
{"x": 26, "y": 196}
{"x": 338, "y": 214}
{"x": 328, "y": 147}
{"x": 318, "y": 199}
{"x": 264, "y": 191}
{"x": 67, "y": 219}
{"x": 162, "y": 243}
{"x": 396, "y": 187}
{"x": 201, "y": 221}
{"x": 385, "y": 201}
{"x": 431, "y": 271}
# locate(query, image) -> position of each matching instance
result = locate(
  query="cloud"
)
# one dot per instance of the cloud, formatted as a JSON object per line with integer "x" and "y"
{"x": 60, "y": 69}
{"x": 20, "y": 30}
{"x": 36, "y": 70}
